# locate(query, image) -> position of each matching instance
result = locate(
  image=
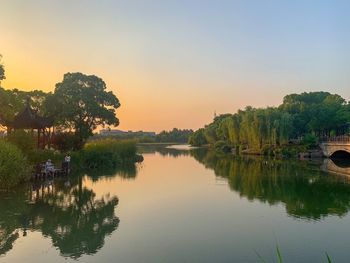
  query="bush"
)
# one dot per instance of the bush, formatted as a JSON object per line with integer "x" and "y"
{"x": 309, "y": 140}
{"x": 268, "y": 150}
{"x": 14, "y": 167}
{"x": 222, "y": 146}
{"x": 106, "y": 153}
{"x": 39, "y": 156}
{"x": 22, "y": 139}
{"x": 67, "y": 142}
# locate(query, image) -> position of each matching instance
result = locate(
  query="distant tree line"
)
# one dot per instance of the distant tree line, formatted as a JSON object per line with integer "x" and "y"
{"x": 173, "y": 136}
{"x": 301, "y": 116}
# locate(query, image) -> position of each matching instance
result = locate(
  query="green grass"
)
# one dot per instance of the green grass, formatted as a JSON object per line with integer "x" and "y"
{"x": 16, "y": 166}
{"x": 107, "y": 153}
{"x": 97, "y": 154}
{"x": 280, "y": 259}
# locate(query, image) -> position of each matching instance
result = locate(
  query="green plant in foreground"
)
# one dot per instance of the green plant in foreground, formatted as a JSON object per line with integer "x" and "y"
{"x": 14, "y": 166}
{"x": 279, "y": 256}
{"x": 328, "y": 258}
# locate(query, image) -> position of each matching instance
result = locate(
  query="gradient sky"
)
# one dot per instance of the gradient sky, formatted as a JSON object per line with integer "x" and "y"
{"x": 173, "y": 63}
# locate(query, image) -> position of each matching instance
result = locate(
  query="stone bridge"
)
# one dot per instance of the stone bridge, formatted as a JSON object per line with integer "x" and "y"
{"x": 330, "y": 166}
{"x": 332, "y": 148}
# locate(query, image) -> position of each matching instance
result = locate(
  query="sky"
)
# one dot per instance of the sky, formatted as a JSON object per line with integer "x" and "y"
{"x": 175, "y": 63}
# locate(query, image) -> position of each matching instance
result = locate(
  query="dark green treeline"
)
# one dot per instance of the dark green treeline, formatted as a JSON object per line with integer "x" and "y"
{"x": 307, "y": 115}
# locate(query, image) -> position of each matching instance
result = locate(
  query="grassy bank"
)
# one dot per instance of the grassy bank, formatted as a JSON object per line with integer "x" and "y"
{"x": 105, "y": 154}
{"x": 16, "y": 166}
{"x": 279, "y": 151}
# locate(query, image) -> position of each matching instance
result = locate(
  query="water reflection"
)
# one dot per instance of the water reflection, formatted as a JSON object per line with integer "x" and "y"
{"x": 128, "y": 171}
{"x": 163, "y": 150}
{"x": 66, "y": 211}
{"x": 305, "y": 190}
{"x": 337, "y": 166}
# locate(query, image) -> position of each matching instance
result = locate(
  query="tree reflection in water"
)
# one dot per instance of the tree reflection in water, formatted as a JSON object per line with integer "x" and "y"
{"x": 64, "y": 210}
{"x": 306, "y": 191}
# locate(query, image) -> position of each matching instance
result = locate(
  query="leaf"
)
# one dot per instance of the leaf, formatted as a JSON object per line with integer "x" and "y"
{"x": 279, "y": 255}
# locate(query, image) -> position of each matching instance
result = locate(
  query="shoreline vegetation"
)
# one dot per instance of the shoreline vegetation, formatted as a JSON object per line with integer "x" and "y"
{"x": 36, "y": 126}
{"x": 17, "y": 167}
{"x": 294, "y": 128}
{"x": 174, "y": 136}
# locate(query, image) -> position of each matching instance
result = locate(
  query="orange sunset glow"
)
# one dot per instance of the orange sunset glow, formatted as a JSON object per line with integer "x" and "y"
{"x": 168, "y": 70}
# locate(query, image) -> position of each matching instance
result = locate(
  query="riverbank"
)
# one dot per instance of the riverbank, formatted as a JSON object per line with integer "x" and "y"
{"x": 99, "y": 154}
{"x": 286, "y": 151}
{"x": 233, "y": 207}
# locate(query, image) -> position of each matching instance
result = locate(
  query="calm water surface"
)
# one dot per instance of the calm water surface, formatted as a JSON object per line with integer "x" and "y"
{"x": 181, "y": 206}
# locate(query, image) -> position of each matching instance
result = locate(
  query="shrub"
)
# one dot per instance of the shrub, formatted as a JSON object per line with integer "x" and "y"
{"x": 309, "y": 140}
{"x": 222, "y": 146}
{"x": 38, "y": 156}
{"x": 14, "y": 167}
{"x": 67, "y": 141}
{"x": 106, "y": 153}
{"x": 268, "y": 150}
{"x": 22, "y": 139}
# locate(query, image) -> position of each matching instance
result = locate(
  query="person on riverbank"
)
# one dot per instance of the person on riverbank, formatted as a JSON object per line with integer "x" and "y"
{"x": 49, "y": 167}
{"x": 66, "y": 163}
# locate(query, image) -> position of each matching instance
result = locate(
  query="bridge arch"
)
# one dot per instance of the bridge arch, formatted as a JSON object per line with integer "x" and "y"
{"x": 340, "y": 154}
{"x": 335, "y": 149}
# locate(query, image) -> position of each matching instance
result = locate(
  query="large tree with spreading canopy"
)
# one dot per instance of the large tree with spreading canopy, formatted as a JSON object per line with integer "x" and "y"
{"x": 81, "y": 103}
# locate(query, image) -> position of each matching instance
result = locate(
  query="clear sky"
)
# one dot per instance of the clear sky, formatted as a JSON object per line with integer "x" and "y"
{"x": 173, "y": 63}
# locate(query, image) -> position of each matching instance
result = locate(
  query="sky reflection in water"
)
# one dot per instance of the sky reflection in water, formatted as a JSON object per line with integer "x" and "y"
{"x": 181, "y": 206}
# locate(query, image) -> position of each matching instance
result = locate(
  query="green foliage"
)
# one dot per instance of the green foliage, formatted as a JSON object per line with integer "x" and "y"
{"x": 67, "y": 141}
{"x": 269, "y": 130}
{"x": 39, "y": 156}
{"x": 222, "y": 146}
{"x": 175, "y": 135}
{"x": 198, "y": 138}
{"x": 101, "y": 154}
{"x": 14, "y": 167}
{"x": 23, "y": 140}
{"x": 81, "y": 103}
{"x": 279, "y": 256}
{"x": 315, "y": 112}
{"x": 13, "y": 101}
{"x": 328, "y": 258}
{"x": 7, "y": 105}
{"x": 2, "y": 70}
{"x": 309, "y": 140}
{"x": 106, "y": 153}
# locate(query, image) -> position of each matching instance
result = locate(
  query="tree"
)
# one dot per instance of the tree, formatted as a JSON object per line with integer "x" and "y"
{"x": 2, "y": 71}
{"x": 197, "y": 138}
{"x": 81, "y": 103}
{"x": 316, "y": 113}
{"x": 13, "y": 101}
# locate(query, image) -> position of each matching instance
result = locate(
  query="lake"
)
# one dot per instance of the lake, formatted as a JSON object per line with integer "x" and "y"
{"x": 182, "y": 205}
